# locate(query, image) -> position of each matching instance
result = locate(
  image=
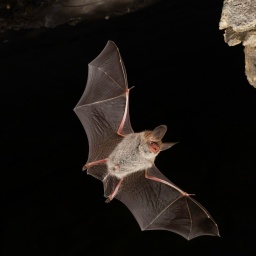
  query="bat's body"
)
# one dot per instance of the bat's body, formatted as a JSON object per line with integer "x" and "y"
{"x": 129, "y": 156}
{"x": 136, "y": 152}
{"x": 124, "y": 160}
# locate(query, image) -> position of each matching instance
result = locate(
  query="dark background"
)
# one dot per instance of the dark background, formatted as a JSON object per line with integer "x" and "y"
{"x": 185, "y": 76}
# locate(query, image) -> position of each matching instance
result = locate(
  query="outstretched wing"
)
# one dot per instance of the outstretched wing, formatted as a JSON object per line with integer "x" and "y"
{"x": 156, "y": 205}
{"x": 103, "y": 110}
{"x": 103, "y": 106}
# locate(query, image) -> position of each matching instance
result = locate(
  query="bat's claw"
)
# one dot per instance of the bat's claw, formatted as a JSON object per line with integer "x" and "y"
{"x": 108, "y": 199}
{"x": 84, "y": 168}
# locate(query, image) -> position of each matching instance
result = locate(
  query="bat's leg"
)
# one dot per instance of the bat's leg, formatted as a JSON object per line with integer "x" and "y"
{"x": 165, "y": 182}
{"x": 87, "y": 166}
{"x": 111, "y": 196}
{"x": 121, "y": 126}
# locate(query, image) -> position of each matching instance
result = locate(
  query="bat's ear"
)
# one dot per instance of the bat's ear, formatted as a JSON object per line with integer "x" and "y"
{"x": 158, "y": 133}
{"x": 167, "y": 145}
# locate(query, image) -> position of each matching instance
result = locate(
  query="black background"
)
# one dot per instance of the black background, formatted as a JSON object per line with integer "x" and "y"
{"x": 185, "y": 76}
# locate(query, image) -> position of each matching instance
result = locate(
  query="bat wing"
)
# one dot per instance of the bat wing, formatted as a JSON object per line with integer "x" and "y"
{"x": 104, "y": 106}
{"x": 103, "y": 110}
{"x": 156, "y": 206}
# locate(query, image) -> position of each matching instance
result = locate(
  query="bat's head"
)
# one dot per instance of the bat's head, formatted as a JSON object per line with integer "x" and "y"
{"x": 154, "y": 140}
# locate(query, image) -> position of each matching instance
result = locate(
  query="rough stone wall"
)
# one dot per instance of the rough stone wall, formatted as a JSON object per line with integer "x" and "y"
{"x": 238, "y": 19}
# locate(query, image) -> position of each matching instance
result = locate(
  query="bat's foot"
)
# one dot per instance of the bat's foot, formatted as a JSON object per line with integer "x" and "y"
{"x": 111, "y": 196}
{"x": 109, "y": 199}
{"x": 87, "y": 166}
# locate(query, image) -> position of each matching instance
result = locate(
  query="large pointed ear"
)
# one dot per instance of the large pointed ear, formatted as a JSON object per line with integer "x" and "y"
{"x": 167, "y": 145}
{"x": 158, "y": 133}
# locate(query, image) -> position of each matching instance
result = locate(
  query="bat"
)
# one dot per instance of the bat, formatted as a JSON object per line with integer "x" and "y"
{"x": 124, "y": 160}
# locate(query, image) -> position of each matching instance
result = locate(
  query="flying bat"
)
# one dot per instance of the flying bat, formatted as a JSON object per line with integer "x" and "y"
{"x": 124, "y": 160}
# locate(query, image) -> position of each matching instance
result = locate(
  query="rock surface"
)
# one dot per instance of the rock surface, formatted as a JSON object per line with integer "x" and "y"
{"x": 239, "y": 21}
